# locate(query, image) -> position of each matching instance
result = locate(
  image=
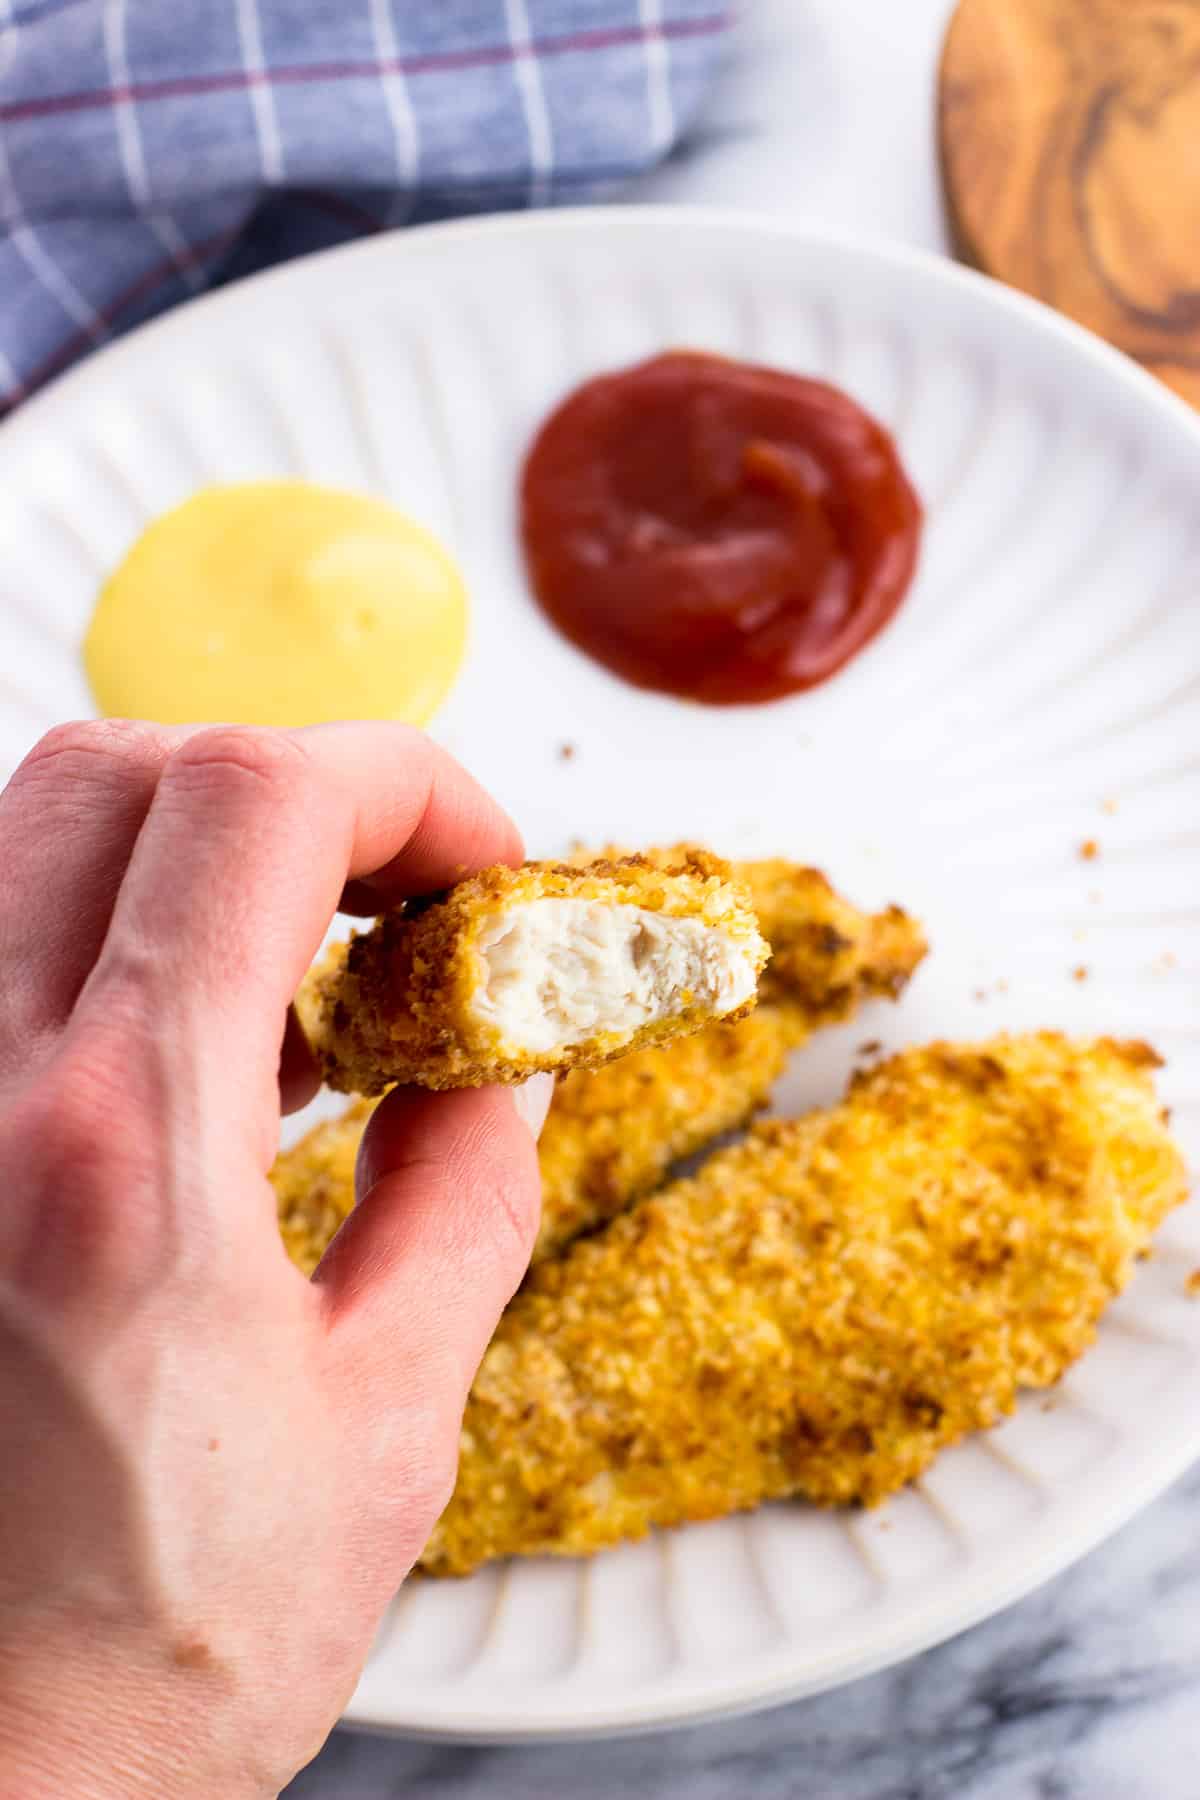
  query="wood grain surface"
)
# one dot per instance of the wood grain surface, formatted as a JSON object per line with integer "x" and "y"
{"x": 1069, "y": 133}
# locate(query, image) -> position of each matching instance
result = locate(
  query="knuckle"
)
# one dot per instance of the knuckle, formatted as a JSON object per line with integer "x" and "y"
{"x": 85, "y": 1129}
{"x": 407, "y": 1402}
{"x": 96, "y": 1181}
{"x": 504, "y": 1177}
{"x": 421, "y": 1472}
{"x": 84, "y": 746}
{"x": 516, "y": 1213}
{"x": 431, "y": 1482}
{"x": 232, "y": 758}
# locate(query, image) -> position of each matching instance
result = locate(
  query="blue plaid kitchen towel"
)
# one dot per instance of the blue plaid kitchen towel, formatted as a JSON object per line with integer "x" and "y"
{"x": 152, "y": 148}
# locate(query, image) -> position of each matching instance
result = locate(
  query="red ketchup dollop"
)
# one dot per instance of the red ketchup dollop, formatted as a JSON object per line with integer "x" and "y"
{"x": 716, "y": 530}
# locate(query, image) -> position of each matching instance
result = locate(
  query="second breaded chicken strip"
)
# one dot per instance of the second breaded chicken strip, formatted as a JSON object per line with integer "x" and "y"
{"x": 822, "y": 1308}
{"x": 827, "y": 955}
{"x": 611, "y": 1134}
{"x": 545, "y": 967}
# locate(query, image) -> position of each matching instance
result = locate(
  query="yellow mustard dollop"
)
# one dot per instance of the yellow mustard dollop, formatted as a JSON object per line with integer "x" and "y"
{"x": 278, "y": 603}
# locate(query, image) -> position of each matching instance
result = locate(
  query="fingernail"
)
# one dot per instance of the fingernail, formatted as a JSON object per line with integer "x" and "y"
{"x": 532, "y": 1100}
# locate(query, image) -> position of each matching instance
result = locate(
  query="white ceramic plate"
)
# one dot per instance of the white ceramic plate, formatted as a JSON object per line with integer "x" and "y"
{"x": 1041, "y": 687}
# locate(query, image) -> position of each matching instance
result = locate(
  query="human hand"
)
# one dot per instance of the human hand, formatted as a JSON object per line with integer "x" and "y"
{"x": 213, "y": 1473}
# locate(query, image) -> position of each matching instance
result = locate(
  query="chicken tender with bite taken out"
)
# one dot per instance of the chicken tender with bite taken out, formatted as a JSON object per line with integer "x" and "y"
{"x": 614, "y": 1133}
{"x": 542, "y": 968}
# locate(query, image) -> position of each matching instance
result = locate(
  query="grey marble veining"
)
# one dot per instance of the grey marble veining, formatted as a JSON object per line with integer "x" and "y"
{"x": 1089, "y": 1689}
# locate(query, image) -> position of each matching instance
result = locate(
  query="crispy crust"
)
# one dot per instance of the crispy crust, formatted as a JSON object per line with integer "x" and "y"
{"x": 613, "y": 1133}
{"x": 314, "y": 1184}
{"x": 396, "y": 1002}
{"x": 827, "y": 956}
{"x": 822, "y": 1308}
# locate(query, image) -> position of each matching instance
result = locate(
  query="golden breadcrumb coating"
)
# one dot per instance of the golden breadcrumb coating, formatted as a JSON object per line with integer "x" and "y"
{"x": 415, "y": 999}
{"x": 610, "y": 1136}
{"x": 314, "y": 1184}
{"x": 826, "y": 955}
{"x": 821, "y": 1308}
{"x": 613, "y": 1133}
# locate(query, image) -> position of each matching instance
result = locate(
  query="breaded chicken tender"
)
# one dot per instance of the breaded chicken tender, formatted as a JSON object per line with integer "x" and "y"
{"x": 826, "y": 955}
{"x": 613, "y": 1133}
{"x": 823, "y": 1307}
{"x": 314, "y": 1184}
{"x": 545, "y": 967}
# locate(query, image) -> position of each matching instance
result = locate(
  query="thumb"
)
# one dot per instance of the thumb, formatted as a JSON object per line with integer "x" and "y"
{"x": 427, "y": 1261}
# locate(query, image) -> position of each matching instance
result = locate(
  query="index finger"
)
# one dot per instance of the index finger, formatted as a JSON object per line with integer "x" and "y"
{"x": 249, "y": 841}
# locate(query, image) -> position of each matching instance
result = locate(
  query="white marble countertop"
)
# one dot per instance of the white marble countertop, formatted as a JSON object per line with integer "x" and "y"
{"x": 1090, "y": 1689}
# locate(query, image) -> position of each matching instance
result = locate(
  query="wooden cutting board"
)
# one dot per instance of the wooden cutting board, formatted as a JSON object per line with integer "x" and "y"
{"x": 1069, "y": 133}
